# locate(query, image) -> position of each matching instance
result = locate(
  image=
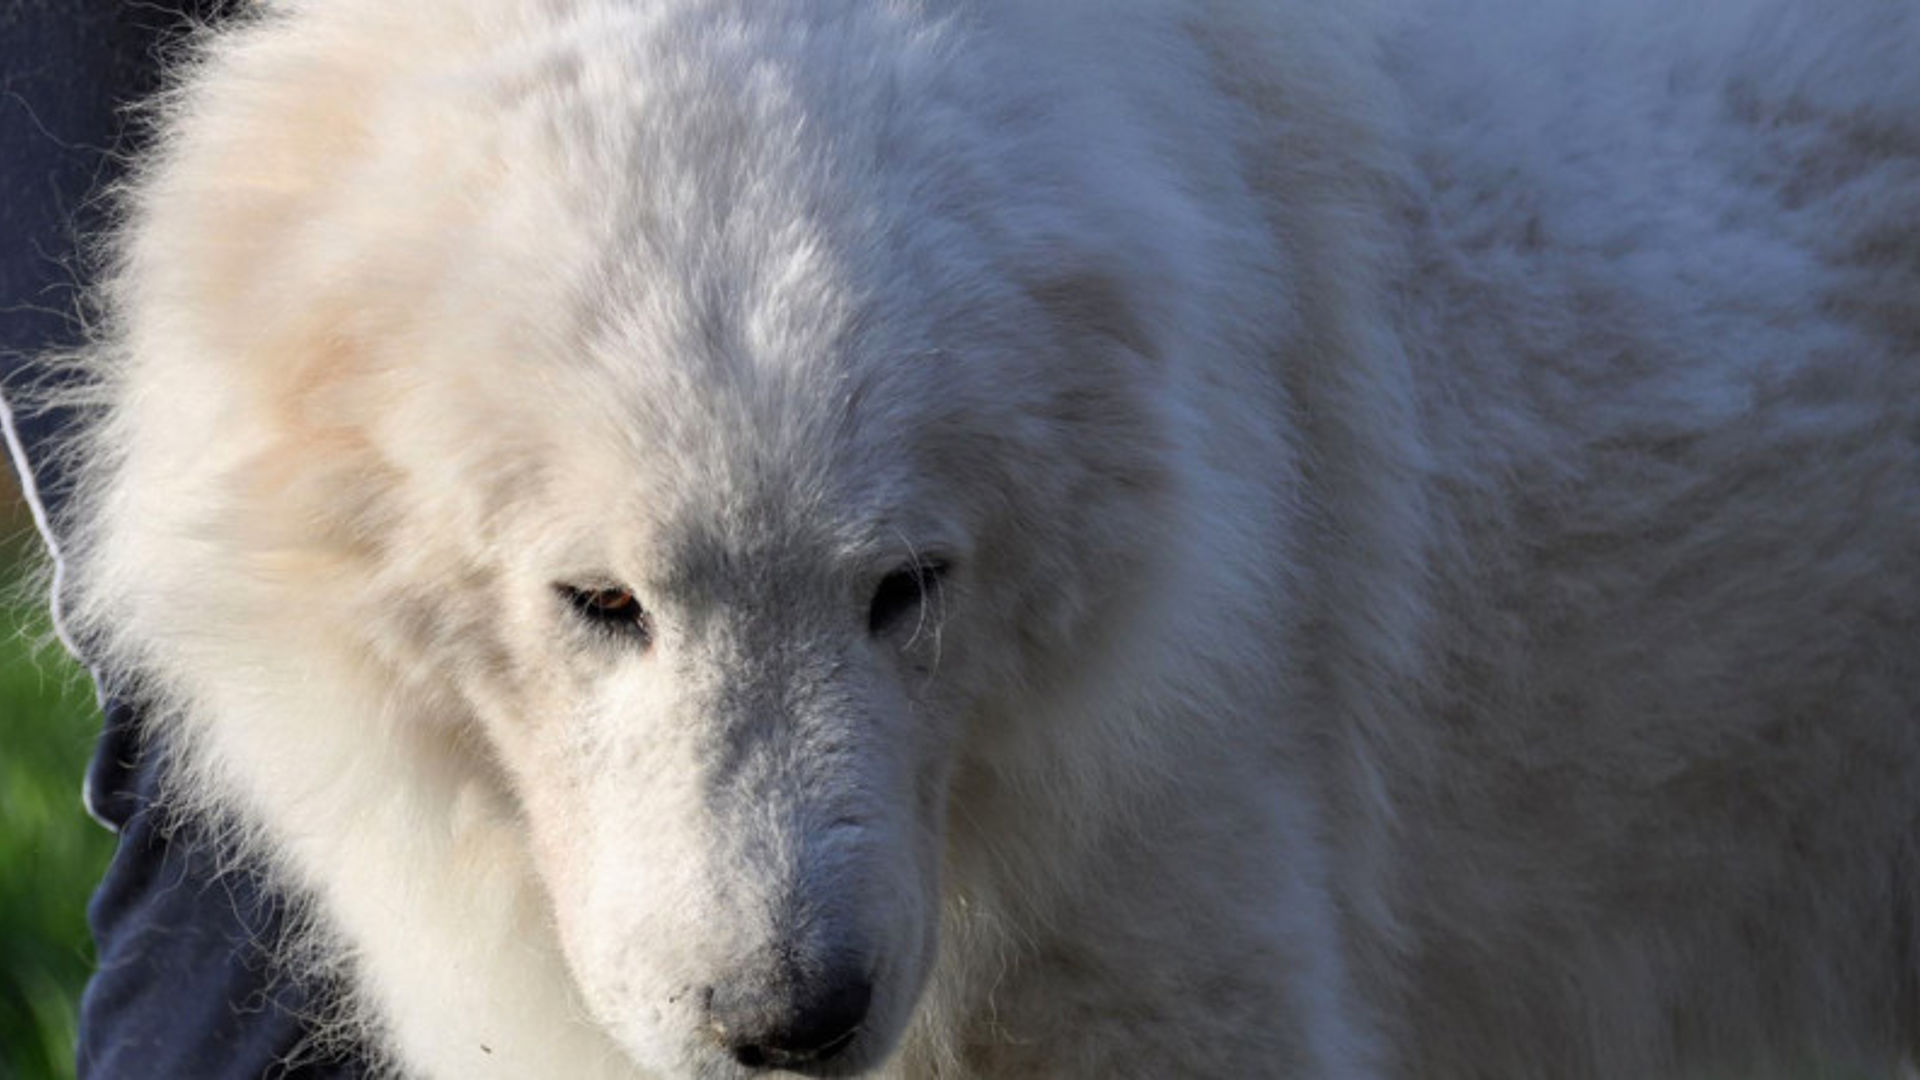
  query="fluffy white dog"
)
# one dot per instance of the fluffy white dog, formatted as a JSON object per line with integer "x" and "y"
{"x": 1070, "y": 539}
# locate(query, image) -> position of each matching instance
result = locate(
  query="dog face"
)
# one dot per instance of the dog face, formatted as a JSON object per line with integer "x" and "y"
{"x": 749, "y": 598}
{"x": 754, "y": 547}
{"x": 733, "y": 740}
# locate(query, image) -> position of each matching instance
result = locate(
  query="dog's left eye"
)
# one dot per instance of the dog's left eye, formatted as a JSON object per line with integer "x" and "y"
{"x": 608, "y": 607}
{"x": 903, "y": 591}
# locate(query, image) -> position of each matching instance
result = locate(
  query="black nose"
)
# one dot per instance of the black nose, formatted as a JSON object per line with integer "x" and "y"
{"x": 791, "y": 1020}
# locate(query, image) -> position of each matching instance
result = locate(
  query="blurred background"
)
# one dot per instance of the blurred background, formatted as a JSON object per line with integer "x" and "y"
{"x": 51, "y": 853}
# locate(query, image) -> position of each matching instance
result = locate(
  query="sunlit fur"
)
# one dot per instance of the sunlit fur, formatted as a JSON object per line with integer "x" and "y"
{"x": 1430, "y": 499}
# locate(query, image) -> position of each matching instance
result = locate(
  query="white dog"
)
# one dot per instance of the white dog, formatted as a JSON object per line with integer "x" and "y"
{"x": 1069, "y": 539}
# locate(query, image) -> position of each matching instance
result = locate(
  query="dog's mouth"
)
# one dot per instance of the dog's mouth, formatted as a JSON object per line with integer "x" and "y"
{"x": 843, "y": 1056}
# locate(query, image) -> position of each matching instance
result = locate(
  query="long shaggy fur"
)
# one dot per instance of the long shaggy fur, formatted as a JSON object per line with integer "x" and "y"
{"x": 1425, "y": 501}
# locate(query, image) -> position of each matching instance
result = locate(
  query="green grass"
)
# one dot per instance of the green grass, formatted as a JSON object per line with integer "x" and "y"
{"x": 51, "y": 853}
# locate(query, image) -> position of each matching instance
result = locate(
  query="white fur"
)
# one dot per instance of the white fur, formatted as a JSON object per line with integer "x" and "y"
{"x": 1431, "y": 496}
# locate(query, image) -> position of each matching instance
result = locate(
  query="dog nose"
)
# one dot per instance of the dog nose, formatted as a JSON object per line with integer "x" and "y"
{"x": 790, "y": 1022}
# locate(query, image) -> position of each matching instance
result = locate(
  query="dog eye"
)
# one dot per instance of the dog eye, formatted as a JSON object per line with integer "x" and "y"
{"x": 609, "y": 608}
{"x": 901, "y": 592}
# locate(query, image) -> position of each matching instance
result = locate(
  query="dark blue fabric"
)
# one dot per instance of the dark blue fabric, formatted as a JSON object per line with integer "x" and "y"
{"x": 182, "y": 989}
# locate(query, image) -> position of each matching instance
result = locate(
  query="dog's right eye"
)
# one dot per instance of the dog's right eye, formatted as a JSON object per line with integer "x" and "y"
{"x": 608, "y": 608}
